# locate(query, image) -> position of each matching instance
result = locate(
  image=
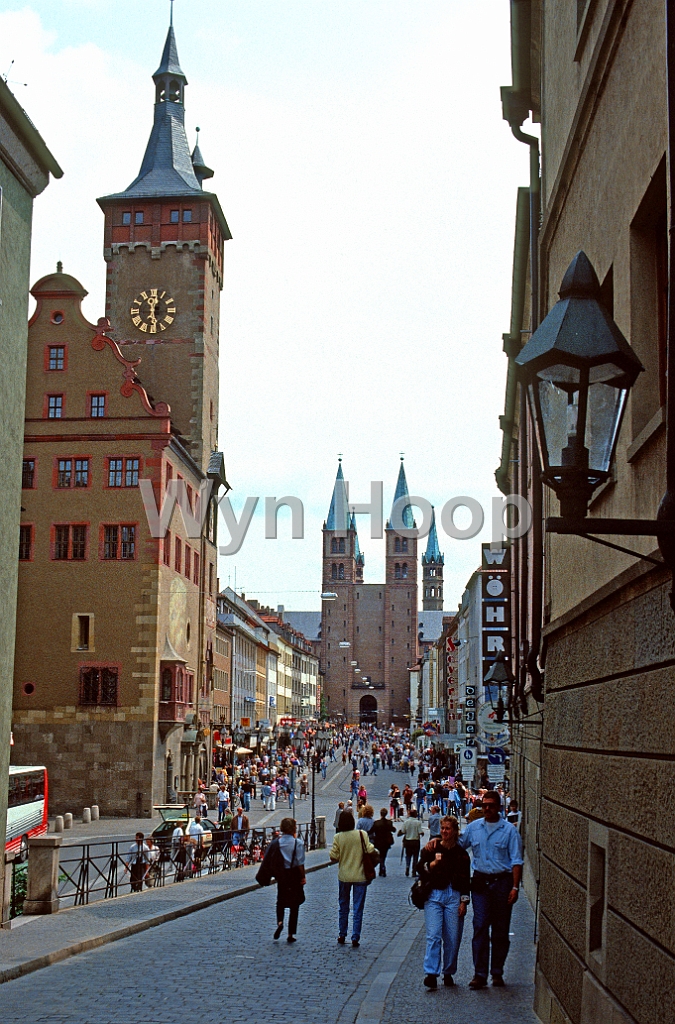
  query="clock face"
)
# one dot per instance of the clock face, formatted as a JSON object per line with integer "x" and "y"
{"x": 153, "y": 311}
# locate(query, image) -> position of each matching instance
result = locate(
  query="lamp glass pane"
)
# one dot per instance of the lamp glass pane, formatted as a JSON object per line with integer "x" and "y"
{"x": 605, "y": 409}
{"x": 558, "y": 415}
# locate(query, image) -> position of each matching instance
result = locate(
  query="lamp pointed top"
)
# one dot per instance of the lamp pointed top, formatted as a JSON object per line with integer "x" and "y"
{"x": 580, "y": 280}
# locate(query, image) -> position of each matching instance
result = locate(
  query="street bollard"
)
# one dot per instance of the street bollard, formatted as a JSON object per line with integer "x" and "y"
{"x": 43, "y": 875}
{"x": 58, "y": 823}
{"x": 86, "y": 815}
{"x": 320, "y": 832}
{"x": 68, "y": 820}
{"x": 94, "y": 812}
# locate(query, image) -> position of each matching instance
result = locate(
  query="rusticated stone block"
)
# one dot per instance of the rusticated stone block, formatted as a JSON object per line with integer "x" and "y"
{"x": 564, "y": 839}
{"x": 636, "y": 970}
{"x": 613, "y": 791}
{"x": 564, "y": 901}
{"x": 562, "y": 969}
{"x": 650, "y": 907}
{"x": 602, "y": 716}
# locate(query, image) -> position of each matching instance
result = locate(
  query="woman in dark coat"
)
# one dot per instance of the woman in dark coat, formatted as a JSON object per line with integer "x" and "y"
{"x": 382, "y": 837}
{"x": 284, "y": 861}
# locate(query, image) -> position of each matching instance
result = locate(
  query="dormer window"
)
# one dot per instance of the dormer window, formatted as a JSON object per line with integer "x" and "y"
{"x": 126, "y": 217}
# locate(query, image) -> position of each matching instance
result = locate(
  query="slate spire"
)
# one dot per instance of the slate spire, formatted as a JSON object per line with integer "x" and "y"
{"x": 433, "y": 552}
{"x": 406, "y": 514}
{"x": 338, "y": 514}
{"x": 167, "y": 168}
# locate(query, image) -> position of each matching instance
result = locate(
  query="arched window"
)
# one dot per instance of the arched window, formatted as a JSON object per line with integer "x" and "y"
{"x": 333, "y": 573}
{"x": 167, "y": 685}
{"x": 179, "y": 684}
{"x": 404, "y": 571}
{"x": 397, "y": 571}
{"x": 341, "y": 572}
{"x": 341, "y": 547}
{"x": 404, "y": 544}
{"x": 397, "y": 544}
{"x": 433, "y": 591}
{"x": 333, "y": 546}
{"x": 174, "y": 91}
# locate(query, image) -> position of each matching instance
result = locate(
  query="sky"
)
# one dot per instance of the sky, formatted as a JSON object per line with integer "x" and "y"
{"x": 369, "y": 183}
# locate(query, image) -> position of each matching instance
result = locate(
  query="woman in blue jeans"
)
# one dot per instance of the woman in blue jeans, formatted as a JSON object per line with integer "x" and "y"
{"x": 347, "y": 850}
{"x": 445, "y": 867}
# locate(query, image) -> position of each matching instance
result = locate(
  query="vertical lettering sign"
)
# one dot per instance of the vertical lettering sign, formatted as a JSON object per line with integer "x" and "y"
{"x": 451, "y": 685}
{"x": 496, "y": 614}
{"x": 470, "y": 707}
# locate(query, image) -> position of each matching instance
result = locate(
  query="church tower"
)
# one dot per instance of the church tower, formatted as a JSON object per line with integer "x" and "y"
{"x": 400, "y": 605}
{"x": 432, "y": 572}
{"x": 163, "y": 245}
{"x": 342, "y": 567}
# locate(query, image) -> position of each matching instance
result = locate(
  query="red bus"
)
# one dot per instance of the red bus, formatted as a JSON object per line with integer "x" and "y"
{"x": 26, "y": 807}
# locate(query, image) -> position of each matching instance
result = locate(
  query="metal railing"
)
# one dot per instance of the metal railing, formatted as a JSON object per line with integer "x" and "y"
{"x": 89, "y": 872}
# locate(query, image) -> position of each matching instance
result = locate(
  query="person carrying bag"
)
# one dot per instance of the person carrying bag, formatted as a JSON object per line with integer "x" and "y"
{"x": 284, "y": 861}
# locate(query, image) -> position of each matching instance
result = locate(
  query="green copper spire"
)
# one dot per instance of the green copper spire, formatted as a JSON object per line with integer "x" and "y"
{"x": 433, "y": 552}
{"x": 338, "y": 514}
{"x": 402, "y": 492}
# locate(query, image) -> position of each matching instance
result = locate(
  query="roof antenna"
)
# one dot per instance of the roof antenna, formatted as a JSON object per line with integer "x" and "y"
{"x": 5, "y": 77}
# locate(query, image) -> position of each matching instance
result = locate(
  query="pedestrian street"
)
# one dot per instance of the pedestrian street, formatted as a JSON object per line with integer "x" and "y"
{"x": 221, "y": 964}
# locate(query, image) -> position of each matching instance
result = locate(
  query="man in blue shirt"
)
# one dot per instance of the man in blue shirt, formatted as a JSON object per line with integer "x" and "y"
{"x": 497, "y": 870}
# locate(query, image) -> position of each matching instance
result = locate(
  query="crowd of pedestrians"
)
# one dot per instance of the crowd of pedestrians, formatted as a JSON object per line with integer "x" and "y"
{"x": 479, "y": 865}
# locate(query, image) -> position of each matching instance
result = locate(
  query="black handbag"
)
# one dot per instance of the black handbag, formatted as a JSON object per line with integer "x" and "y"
{"x": 420, "y": 893}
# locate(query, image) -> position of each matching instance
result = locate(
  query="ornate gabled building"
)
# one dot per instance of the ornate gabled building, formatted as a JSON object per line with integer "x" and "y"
{"x": 113, "y": 688}
{"x": 368, "y": 631}
{"x": 432, "y": 571}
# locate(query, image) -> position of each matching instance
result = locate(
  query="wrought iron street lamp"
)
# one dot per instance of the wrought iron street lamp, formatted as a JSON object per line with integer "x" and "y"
{"x": 579, "y": 369}
{"x": 499, "y": 675}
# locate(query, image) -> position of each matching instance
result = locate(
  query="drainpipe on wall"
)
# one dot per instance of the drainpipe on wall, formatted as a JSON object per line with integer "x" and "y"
{"x": 667, "y": 506}
{"x": 516, "y": 104}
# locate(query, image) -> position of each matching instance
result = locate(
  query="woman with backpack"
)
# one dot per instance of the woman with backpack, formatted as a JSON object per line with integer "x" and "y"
{"x": 284, "y": 861}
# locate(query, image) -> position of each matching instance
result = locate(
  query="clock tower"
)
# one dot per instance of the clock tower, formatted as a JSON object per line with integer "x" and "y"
{"x": 163, "y": 245}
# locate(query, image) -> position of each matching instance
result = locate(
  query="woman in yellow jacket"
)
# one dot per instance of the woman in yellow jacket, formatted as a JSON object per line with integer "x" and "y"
{"x": 347, "y": 849}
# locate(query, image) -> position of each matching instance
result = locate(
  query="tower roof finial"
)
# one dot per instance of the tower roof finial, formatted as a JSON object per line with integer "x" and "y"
{"x": 171, "y": 15}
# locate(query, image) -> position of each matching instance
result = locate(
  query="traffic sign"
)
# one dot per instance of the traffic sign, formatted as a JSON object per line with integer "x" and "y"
{"x": 468, "y": 757}
{"x": 496, "y": 756}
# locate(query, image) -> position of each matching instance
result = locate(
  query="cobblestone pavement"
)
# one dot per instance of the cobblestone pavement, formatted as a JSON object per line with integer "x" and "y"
{"x": 227, "y": 952}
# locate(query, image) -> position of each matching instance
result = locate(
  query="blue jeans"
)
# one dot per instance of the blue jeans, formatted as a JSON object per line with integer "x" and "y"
{"x": 344, "y": 889}
{"x": 491, "y": 921}
{"x": 443, "y": 924}
{"x": 247, "y": 801}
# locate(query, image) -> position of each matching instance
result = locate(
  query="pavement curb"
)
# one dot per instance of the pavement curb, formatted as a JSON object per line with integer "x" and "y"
{"x": 37, "y": 963}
